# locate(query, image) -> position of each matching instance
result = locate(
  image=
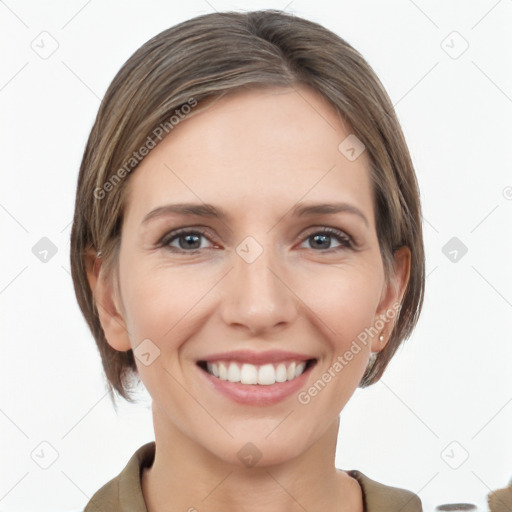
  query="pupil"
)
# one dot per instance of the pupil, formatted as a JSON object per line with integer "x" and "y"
{"x": 322, "y": 238}
{"x": 190, "y": 238}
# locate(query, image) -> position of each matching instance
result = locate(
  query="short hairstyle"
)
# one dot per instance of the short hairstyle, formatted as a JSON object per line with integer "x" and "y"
{"x": 205, "y": 58}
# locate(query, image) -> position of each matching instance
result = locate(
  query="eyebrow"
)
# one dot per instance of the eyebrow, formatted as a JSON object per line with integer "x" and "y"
{"x": 210, "y": 211}
{"x": 329, "y": 208}
{"x": 199, "y": 210}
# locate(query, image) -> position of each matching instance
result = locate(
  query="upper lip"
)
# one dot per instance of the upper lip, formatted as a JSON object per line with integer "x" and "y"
{"x": 248, "y": 356}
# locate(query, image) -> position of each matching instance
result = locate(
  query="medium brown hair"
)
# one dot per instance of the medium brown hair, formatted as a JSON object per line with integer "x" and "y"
{"x": 205, "y": 58}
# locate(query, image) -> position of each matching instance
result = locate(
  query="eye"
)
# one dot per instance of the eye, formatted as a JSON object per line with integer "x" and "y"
{"x": 322, "y": 239}
{"x": 188, "y": 240}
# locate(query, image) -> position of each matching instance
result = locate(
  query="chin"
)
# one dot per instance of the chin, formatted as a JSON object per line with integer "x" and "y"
{"x": 256, "y": 451}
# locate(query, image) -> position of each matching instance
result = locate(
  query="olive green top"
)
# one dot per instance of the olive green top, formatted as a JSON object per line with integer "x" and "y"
{"x": 124, "y": 492}
{"x": 500, "y": 500}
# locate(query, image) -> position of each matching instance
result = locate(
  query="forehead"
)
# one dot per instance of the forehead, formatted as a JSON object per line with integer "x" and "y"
{"x": 253, "y": 149}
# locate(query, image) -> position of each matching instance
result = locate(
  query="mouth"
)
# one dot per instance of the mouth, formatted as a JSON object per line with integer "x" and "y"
{"x": 250, "y": 374}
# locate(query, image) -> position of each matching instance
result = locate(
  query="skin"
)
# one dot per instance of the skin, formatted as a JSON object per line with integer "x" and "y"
{"x": 255, "y": 154}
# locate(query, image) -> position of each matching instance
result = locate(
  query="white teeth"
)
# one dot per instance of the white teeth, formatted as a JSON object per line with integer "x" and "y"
{"x": 290, "y": 373}
{"x": 280, "y": 372}
{"x": 249, "y": 374}
{"x": 266, "y": 375}
{"x": 263, "y": 375}
{"x": 213, "y": 368}
{"x": 233, "y": 373}
{"x": 223, "y": 371}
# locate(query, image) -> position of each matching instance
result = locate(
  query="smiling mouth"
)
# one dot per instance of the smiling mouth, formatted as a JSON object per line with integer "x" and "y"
{"x": 251, "y": 374}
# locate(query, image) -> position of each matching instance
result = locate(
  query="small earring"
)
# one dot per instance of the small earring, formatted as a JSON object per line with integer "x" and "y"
{"x": 381, "y": 337}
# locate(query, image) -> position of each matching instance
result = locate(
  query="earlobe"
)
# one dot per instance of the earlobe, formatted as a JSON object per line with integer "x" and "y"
{"x": 391, "y": 298}
{"x": 104, "y": 294}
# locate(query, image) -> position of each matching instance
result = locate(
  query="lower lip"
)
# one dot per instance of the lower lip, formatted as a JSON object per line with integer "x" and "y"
{"x": 257, "y": 394}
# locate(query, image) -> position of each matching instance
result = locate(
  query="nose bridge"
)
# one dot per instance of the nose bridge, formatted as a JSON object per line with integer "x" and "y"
{"x": 258, "y": 298}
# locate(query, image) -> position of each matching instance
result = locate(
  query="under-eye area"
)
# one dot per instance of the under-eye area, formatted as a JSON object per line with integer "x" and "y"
{"x": 258, "y": 374}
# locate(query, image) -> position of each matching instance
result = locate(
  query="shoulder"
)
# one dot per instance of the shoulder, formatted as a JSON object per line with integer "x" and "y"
{"x": 500, "y": 500}
{"x": 379, "y": 497}
{"x": 105, "y": 498}
{"x": 124, "y": 489}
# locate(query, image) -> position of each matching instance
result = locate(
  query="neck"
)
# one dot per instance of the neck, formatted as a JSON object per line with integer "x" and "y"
{"x": 185, "y": 476}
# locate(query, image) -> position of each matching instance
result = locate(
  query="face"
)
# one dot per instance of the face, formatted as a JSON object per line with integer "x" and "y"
{"x": 262, "y": 289}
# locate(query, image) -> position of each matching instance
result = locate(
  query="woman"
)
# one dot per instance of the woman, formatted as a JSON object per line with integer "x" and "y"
{"x": 247, "y": 242}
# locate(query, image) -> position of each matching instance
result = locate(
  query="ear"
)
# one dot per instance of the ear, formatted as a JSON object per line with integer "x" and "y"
{"x": 392, "y": 294}
{"x": 107, "y": 303}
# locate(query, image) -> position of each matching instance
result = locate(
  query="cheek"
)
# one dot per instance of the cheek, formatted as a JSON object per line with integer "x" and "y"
{"x": 344, "y": 300}
{"x": 163, "y": 304}
{"x": 158, "y": 300}
{"x": 158, "y": 308}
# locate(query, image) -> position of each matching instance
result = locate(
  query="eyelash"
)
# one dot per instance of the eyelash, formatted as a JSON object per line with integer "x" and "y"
{"x": 344, "y": 239}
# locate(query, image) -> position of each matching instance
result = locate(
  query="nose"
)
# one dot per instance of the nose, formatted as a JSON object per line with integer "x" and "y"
{"x": 258, "y": 297}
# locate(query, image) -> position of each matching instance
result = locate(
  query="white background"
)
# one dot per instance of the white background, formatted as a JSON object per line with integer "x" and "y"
{"x": 452, "y": 381}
